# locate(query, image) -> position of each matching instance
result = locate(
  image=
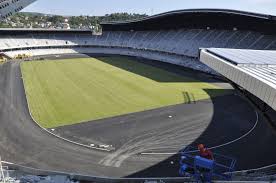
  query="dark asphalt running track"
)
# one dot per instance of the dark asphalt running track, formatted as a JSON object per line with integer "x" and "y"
{"x": 213, "y": 122}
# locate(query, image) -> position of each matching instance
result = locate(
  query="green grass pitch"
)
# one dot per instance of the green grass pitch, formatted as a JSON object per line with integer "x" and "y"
{"x": 71, "y": 91}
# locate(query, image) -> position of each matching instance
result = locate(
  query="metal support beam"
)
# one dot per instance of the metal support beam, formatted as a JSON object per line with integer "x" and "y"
{"x": 1, "y": 171}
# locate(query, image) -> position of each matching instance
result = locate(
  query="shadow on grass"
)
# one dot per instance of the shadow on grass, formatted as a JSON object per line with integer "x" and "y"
{"x": 157, "y": 72}
{"x": 163, "y": 72}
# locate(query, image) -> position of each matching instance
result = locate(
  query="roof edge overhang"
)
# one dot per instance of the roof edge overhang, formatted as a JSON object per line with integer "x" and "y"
{"x": 18, "y": 31}
{"x": 176, "y": 12}
{"x": 198, "y": 18}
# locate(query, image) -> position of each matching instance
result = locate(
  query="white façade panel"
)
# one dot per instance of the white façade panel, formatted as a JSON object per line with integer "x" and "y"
{"x": 224, "y": 70}
{"x": 264, "y": 92}
{"x": 251, "y": 85}
{"x": 268, "y": 94}
{"x": 248, "y": 83}
{"x": 228, "y": 71}
{"x": 258, "y": 86}
{"x": 255, "y": 86}
{"x": 236, "y": 75}
{"x": 274, "y": 103}
{"x": 272, "y": 98}
{"x": 246, "y": 78}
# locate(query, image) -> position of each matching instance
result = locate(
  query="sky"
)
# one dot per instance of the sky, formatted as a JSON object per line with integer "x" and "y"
{"x": 150, "y": 7}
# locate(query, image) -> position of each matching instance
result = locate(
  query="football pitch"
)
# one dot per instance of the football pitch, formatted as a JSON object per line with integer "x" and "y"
{"x": 70, "y": 91}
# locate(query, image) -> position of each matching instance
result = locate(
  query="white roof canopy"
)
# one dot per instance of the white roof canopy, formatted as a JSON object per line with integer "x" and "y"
{"x": 254, "y": 70}
{"x": 9, "y": 7}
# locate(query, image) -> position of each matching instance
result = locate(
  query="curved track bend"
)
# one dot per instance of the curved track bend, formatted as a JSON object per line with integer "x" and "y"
{"x": 22, "y": 142}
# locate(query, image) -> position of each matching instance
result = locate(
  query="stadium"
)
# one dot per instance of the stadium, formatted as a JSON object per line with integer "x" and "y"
{"x": 123, "y": 105}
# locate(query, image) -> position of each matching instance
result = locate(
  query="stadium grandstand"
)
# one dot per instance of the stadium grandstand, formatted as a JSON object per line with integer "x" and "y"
{"x": 153, "y": 37}
{"x": 197, "y": 39}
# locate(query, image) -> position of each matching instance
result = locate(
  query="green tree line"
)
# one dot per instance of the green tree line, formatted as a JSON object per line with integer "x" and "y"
{"x": 35, "y": 20}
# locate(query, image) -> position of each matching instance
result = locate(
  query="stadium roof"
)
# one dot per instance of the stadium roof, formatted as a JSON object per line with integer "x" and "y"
{"x": 20, "y": 31}
{"x": 257, "y": 15}
{"x": 253, "y": 70}
{"x": 199, "y": 18}
{"x": 8, "y": 7}
{"x": 246, "y": 57}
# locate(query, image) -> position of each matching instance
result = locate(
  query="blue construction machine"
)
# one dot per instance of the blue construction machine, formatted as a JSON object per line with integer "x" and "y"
{"x": 205, "y": 170}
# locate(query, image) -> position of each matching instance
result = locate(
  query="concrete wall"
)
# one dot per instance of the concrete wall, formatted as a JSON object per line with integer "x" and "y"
{"x": 181, "y": 60}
